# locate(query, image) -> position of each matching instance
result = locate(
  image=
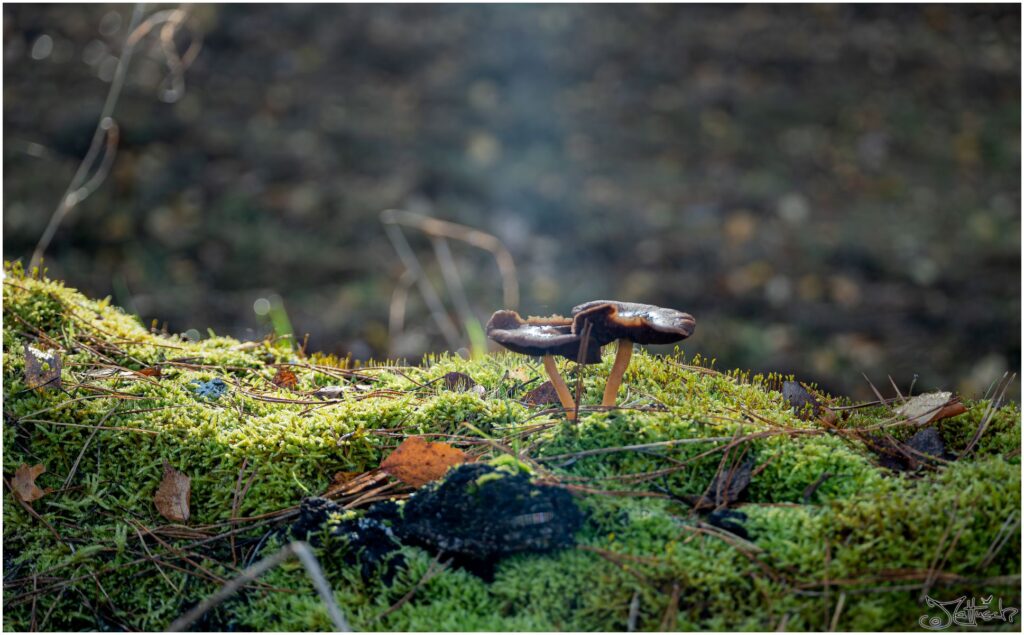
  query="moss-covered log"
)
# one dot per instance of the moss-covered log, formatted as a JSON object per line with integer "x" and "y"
{"x": 822, "y": 536}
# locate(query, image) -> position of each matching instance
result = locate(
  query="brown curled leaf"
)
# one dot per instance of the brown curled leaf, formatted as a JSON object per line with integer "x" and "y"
{"x": 24, "y": 483}
{"x": 174, "y": 495}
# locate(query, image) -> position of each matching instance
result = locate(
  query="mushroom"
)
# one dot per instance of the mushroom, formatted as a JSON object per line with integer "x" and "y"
{"x": 546, "y": 337}
{"x": 629, "y": 323}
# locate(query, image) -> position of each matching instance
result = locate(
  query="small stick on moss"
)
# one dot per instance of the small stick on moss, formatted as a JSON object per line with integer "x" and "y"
{"x": 668, "y": 621}
{"x": 237, "y": 498}
{"x": 634, "y": 613}
{"x": 74, "y": 466}
{"x": 639, "y": 447}
{"x": 564, "y": 395}
{"x": 298, "y": 549}
{"x": 49, "y": 611}
{"x": 839, "y": 610}
{"x": 432, "y": 571}
{"x": 33, "y": 513}
{"x": 155, "y": 560}
{"x": 90, "y": 427}
{"x": 622, "y": 356}
{"x": 1006, "y": 531}
{"x": 35, "y": 587}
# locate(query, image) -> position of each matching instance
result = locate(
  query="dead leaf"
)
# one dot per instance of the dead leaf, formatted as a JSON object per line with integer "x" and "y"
{"x": 542, "y": 395}
{"x": 153, "y": 371}
{"x": 930, "y": 407}
{"x": 803, "y": 401}
{"x": 729, "y": 484}
{"x": 174, "y": 495}
{"x": 285, "y": 379}
{"x": 416, "y": 461}
{"x": 42, "y": 368}
{"x": 24, "y": 483}
{"x": 340, "y": 481}
{"x": 912, "y": 454}
{"x": 459, "y": 382}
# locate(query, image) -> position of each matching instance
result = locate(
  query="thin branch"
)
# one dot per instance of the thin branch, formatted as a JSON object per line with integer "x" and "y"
{"x": 634, "y": 613}
{"x": 435, "y": 568}
{"x": 452, "y": 279}
{"x": 426, "y": 289}
{"x": 481, "y": 240}
{"x": 298, "y": 549}
{"x": 106, "y": 129}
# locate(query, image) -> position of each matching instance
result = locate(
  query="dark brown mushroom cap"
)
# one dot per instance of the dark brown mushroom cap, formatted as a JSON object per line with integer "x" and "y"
{"x": 539, "y": 336}
{"x": 641, "y": 323}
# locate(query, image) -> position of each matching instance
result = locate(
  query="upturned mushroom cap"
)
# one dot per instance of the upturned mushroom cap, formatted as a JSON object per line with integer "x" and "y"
{"x": 641, "y": 323}
{"x": 540, "y": 336}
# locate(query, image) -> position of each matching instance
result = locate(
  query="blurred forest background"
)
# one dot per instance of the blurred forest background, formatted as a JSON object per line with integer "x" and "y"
{"x": 830, "y": 190}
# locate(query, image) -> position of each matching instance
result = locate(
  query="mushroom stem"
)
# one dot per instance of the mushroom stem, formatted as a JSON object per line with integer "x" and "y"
{"x": 622, "y": 357}
{"x": 563, "y": 391}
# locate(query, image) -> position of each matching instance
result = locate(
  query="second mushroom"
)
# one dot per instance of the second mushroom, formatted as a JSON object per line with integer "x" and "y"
{"x": 629, "y": 323}
{"x": 581, "y": 336}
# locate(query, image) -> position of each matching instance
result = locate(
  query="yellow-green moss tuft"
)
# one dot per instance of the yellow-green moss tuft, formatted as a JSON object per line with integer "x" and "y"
{"x": 823, "y": 519}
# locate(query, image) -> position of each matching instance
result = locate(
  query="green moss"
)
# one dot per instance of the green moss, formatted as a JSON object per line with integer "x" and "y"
{"x": 863, "y": 532}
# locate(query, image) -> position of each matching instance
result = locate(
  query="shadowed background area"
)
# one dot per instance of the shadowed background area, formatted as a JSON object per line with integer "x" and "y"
{"x": 830, "y": 190}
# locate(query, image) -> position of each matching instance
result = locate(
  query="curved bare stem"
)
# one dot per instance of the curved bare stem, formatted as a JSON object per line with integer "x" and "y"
{"x": 622, "y": 357}
{"x": 563, "y": 391}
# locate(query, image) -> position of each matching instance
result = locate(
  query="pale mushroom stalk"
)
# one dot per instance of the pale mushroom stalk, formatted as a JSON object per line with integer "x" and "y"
{"x": 560, "y": 387}
{"x": 622, "y": 356}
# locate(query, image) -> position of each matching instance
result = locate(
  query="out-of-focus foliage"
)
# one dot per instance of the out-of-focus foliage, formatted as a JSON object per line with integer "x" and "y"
{"x": 829, "y": 189}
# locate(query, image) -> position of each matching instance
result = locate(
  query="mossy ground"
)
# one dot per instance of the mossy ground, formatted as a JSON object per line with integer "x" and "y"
{"x": 856, "y": 552}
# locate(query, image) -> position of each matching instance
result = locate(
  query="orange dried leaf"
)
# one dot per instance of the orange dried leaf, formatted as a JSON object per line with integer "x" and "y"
{"x": 24, "y": 483}
{"x": 416, "y": 461}
{"x": 285, "y": 379}
{"x": 153, "y": 371}
{"x": 174, "y": 495}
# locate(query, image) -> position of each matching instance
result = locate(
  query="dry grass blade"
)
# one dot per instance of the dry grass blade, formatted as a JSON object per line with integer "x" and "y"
{"x": 433, "y": 569}
{"x": 32, "y": 512}
{"x": 585, "y": 337}
{"x": 631, "y": 448}
{"x": 1006, "y": 531}
{"x": 990, "y": 412}
{"x": 296, "y": 549}
{"x": 881, "y": 399}
{"x": 481, "y": 240}
{"x": 668, "y": 620}
{"x": 634, "y": 613}
{"x": 840, "y": 603}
